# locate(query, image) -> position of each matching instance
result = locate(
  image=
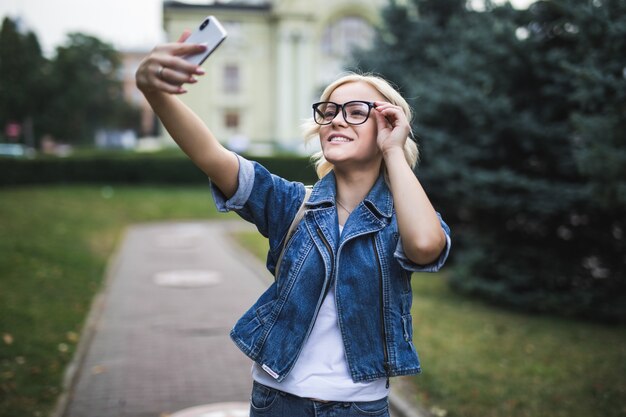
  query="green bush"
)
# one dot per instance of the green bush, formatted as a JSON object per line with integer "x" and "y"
{"x": 131, "y": 168}
{"x": 523, "y": 131}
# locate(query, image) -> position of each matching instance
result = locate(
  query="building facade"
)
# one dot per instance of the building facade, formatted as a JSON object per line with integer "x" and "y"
{"x": 260, "y": 83}
{"x": 130, "y": 62}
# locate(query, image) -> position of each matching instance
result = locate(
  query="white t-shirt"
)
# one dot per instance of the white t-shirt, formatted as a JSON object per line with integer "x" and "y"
{"x": 321, "y": 371}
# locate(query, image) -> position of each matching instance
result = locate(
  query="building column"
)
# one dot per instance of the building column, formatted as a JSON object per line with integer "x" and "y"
{"x": 284, "y": 86}
{"x": 306, "y": 86}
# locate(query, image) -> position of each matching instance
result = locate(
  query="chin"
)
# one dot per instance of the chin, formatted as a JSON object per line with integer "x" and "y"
{"x": 333, "y": 157}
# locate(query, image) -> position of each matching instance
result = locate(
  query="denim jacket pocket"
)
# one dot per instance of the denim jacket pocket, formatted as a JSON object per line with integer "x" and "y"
{"x": 248, "y": 333}
{"x": 262, "y": 312}
{"x": 251, "y": 323}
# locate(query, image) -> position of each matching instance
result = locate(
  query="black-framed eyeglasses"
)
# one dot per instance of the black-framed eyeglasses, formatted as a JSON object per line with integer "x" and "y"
{"x": 354, "y": 112}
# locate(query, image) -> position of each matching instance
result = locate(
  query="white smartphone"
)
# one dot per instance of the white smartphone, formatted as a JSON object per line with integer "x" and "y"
{"x": 211, "y": 34}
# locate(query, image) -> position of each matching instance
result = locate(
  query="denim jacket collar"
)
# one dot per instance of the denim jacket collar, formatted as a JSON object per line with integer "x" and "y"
{"x": 378, "y": 200}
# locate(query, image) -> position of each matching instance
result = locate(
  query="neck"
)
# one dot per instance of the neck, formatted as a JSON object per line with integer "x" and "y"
{"x": 352, "y": 187}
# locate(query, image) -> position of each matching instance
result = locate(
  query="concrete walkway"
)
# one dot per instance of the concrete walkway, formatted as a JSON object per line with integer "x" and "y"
{"x": 156, "y": 341}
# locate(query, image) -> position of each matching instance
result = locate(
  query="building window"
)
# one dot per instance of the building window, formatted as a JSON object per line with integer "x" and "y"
{"x": 231, "y": 120}
{"x": 232, "y": 79}
{"x": 343, "y": 35}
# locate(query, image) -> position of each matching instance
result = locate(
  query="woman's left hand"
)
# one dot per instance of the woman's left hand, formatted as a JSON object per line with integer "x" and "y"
{"x": 393, "y": 126}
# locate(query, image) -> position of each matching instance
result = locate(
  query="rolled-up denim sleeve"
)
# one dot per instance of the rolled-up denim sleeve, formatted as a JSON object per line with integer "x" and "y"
{"x": 245, "y": 179}
{"x": 268, "y": 201}
{"x": 435, "y": 266}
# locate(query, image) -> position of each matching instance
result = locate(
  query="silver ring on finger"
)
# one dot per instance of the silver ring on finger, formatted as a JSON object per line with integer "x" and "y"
{"x": 160, "y": 72}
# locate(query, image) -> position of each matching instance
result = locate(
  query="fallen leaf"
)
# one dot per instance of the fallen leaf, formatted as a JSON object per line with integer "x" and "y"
{"x": 438, "y": 411}
{"x": 98, "y": 369}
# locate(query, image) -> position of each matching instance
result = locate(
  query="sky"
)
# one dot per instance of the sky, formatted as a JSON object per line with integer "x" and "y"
{"x": 127, "y": 24}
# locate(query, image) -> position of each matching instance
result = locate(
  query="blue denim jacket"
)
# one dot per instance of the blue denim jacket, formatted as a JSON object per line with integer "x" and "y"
{"x": 367, "y": 265}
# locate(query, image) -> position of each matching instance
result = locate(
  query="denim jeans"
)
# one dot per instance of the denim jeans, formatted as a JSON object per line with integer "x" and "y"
{"x": 269, "y": 402}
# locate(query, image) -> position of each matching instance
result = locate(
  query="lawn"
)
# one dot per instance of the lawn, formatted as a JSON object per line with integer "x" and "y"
{"x": 478, "y": 360}
{"x": 54, "y": 246}
{"x": 483, "y": 361}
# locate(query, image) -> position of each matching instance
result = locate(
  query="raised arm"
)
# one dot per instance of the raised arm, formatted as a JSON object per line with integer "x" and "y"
{"x": 423, "y": 238}
{"x": 161, "y": 77}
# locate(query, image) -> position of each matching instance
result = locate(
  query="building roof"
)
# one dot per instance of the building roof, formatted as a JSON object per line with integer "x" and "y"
{"x": 261, "y": 5}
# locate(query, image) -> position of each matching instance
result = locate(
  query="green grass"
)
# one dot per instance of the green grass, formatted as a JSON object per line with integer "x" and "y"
{"x": 54, "y": 245}
{"x": 478, "y": 360}
{"x": 254, "y": 243}
{"x": 482, "y": 361}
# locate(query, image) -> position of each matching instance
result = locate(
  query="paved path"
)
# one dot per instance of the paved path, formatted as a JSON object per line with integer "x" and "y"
{"x": 160, "y": 343}
{"x": 156, "y": 341}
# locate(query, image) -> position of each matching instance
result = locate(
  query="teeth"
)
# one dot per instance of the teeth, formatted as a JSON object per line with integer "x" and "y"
{"x": 339, "y": 139}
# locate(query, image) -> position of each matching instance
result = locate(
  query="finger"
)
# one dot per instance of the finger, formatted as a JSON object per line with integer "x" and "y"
{"x": 168, "y": 88}
{"x": 172, "y": 76}
{"x": 183, "y": 36}
{"x": 186, "y": 48}
{"x": 180, "y": 65}
{"x": 394, "y": 114}
{"x": 385, "y": 105}
{"x": 385, "y": 110}
{"x": 382, "y": 106}
{"x": 382, "y": 122}
{"x": 178, "y": 48}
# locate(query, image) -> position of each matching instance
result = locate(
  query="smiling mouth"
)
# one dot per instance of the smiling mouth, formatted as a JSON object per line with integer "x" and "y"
{"x": 339, "y": 138}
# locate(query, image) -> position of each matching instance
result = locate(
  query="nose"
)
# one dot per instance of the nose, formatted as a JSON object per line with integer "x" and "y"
{"x": 339, "y": 119}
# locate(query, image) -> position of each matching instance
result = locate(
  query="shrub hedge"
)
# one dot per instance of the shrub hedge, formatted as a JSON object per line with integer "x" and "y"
{"x": 125, "y": 168}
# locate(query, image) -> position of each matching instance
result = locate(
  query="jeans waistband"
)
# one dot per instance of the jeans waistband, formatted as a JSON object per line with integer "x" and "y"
{"x": 317, "y": 400}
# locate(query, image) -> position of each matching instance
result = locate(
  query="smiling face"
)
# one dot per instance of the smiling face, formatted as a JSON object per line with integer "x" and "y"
{"x": 345, "y": 145}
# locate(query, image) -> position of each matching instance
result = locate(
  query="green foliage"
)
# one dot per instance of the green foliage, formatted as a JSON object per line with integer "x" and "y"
{"x": 22, "y": 72}
{"x": 69, "y": 96}
{"x": 523, "y": 127}
{"x": 84, "y": 64}
{"x": 132, "y": 168}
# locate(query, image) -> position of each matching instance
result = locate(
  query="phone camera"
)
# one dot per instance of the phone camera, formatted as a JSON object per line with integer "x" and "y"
{"x": 204, "y": 24}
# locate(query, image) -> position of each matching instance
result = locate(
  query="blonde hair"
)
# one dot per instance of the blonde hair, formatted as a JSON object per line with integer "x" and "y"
{"x": 312, "y": 129}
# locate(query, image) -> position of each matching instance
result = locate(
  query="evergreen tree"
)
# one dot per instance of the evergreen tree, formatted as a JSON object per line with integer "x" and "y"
{"x": 522, "y": 120}
{"x": 22, "y": 72}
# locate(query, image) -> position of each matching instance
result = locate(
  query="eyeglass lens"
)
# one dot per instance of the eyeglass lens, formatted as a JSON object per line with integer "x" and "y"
{"x": 354, "y": 112}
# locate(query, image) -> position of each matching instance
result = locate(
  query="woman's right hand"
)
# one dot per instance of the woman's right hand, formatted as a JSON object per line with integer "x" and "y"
{"x": 164, "y": 69}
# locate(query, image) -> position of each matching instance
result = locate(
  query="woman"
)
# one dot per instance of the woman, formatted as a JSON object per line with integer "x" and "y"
{"x": 336, "y": 323}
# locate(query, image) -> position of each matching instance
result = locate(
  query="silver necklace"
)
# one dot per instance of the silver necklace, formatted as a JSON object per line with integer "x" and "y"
{"x": 343, "y": 207}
